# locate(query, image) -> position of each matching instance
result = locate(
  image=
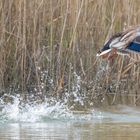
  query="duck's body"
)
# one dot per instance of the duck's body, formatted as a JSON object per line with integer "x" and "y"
{"x": 124, "y": 43}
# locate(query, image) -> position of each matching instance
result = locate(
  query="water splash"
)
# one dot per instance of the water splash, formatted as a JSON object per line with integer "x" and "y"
{"x": 46, "y": 111}
{"x": 18, "y": 111}
{"x": 13, "y": 108}
{"x": 50, "y": 109}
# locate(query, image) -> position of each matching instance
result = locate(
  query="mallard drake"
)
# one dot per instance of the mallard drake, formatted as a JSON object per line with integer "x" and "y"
{"x": 123, "y": 43}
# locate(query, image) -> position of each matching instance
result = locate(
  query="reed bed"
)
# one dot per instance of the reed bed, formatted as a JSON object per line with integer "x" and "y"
{"x": 48, "y": 44}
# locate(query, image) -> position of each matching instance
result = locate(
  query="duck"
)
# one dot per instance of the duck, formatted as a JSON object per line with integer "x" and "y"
{"x": 125, "y": 43}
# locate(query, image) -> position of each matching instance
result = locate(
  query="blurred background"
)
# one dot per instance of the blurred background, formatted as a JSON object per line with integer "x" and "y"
{"x": 52, "y": 45}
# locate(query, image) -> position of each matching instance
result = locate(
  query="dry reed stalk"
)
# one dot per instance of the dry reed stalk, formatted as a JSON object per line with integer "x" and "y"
{"x": 60, "y": 36}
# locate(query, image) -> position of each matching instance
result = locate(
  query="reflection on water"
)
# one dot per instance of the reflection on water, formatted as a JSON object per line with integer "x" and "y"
{"x": 58, "y": 130}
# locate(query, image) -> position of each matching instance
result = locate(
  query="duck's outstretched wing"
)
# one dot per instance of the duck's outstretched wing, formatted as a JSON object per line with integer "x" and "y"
{"x": 128, "y": 43}
{"x": 125, "y": 38}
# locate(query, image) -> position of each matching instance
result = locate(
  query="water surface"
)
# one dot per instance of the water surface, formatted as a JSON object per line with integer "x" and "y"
{"x": 58, "y": 130}
{"x": 58, "y": 122}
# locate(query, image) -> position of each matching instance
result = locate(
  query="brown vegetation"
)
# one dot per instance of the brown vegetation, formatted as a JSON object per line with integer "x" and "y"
{"x": 61, "y": 37}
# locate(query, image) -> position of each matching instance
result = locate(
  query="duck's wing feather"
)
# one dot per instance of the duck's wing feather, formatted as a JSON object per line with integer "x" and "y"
{"x": 133, "y": 49}
{"x": 128, "y": 43}
{"x": 125, "y": 39}
{"x": 135, "y": 45}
